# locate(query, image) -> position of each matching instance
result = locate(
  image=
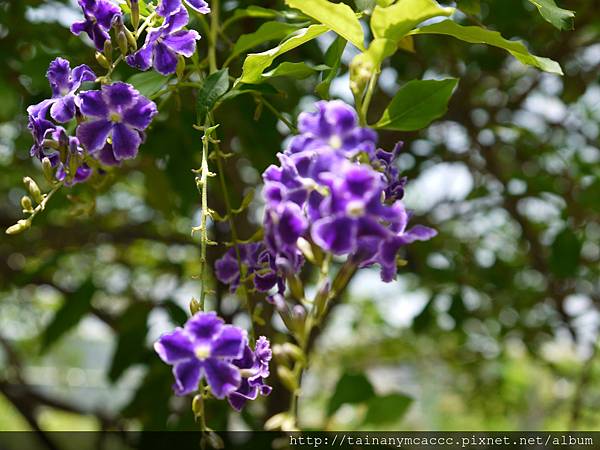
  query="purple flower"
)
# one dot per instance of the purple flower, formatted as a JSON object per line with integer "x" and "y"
{"x": 165, "y": 43}
{"x": 99, "y": 16}
{"x": 259, "y": 265}
{"x": 168, "y": 7}
{"x": 255, "y": 368}
{"x": 204, "y": 348}
{"x": 118, "y": 112}
{"x": 333, "y": 125}
{"x": 64, "y": 83}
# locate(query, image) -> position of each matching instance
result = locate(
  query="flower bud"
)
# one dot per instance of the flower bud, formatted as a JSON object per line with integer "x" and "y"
{"x": 361, "y": 71}
{"x": 33, "y": 190}
{"x": 293, "y": 351}
{"x": 195, "y": 306}
{"x": 135, "y": 13}
{"x": 198, "y": 406}
{"x": 108, "y": 49}
{"x": 102, "y": 60}
{"x": 130, "y": 38}
{"x": 48, "y": 170}
{"x": 19, "y": 227}
{"x": 26, "y": 204}
{"x": 122, "y": 41}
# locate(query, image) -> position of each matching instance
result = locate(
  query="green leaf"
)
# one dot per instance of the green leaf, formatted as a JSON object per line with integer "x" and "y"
{"x": 479, "y": 35}
{"x": 417, "y": 104}
{"x": 351, "y": 388}
{"x": 269, "y": 31}
{"x": 565, "y": 253}
{"x": 148, "y": 83}
{"x": 394, "y": 22}
{"x": 365, "y": 5}
{"x": 337, "y": 16}
{"x": 256, "y": 63}
{"x": 132, "y": 329}
{"x": 298, "y": 70}
{"x": 560, "y": 18}
{"x": 387, "y": 409}
{"x": 75, "y": 307}
{"x": 333, "y": 58}
{"x": 215, "y": 85}
{"x": 255, "y": 12}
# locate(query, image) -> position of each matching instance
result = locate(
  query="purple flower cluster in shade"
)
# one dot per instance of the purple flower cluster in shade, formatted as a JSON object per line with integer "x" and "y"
{"x": 206, "y": 348}
{"x": 110, "y": 122}
{"x": 165, "y": 43}
{"x": 335, "y": 188}
{"x": 99, "y": 16}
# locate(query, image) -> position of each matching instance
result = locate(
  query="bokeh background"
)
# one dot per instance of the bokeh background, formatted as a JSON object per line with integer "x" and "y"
{"x": 493, "y": 325}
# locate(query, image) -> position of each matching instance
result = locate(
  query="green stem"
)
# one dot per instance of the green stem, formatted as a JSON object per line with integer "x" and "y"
{"x": 364, "y": 107}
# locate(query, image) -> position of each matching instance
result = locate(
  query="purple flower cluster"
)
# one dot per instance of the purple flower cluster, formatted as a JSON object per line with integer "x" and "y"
{"x": 165, "y": 43}
{"x": 110, "y": 122}
{"x": 335, "y": 188}
{"x": 206, "y": 348}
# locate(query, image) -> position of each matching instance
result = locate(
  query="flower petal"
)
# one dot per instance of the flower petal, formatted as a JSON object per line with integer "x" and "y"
{"x": 125, "y": 141}
{"x": 174, "y": 347}
{"x": 164, "y": 59}
{"x": 58, "y": 74}
{"x": 203, "y": 326}
{"x": 229, "y": 343}
{"x": 199, "y": 5}
{"x": 92, "y": 104}
{"x": 187, "y": 376}
{"x": 119, "y": 95}
{"x": 223, "y": 377}
{"x": 140, "y": 114}
{"x": 182, "y": 42}
{"x": 63, "y": 109}
{"x": 106, "y": 155}
{"x": 93, "y": 134}
{"x": 337, "y": 235}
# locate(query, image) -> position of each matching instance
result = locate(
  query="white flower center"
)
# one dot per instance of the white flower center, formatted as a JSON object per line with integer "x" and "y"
{"x": 335, "y": 141}
{"x": 202, "y": 352}
{"x": 355, "y": 208}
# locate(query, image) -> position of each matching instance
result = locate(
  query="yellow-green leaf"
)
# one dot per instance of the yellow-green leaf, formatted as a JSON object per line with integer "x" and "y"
{"x": 256, "y": 63}
{"x": 337, "y": 16}
{"x": 396, "y": 21}
{"x": 479, "y": 35}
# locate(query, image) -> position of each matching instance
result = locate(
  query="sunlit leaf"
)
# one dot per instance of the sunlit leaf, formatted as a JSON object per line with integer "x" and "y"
{"x": 337, "y": 16}
{"x": 394, "y": 22}
{"x": 417, "y": 104}
{"x": 559, "y": 17}
{"x": 479, "y": 35}
{"x": 256, "y": 63}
